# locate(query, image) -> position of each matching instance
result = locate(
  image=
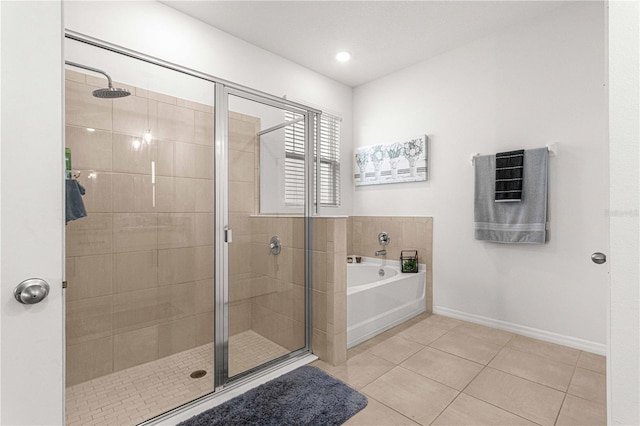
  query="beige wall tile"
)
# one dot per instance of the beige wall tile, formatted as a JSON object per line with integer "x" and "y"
{"x": 240, "y": 318}
{"x": 135, "y": 232}
{"x": 204, "y": 229}
{"x": 135, "y": 348}
{"x": 88, "y": 276}
{"x": 132, "y": 193}
{"x": 185, "y": 159}
{"x": 241, "y": 197}
{"x": 84, "y": 110}
{"x": 135, "y": 310}
{"x": 176, "y": 301}
{"x": 163, "y": 155}
{"x": 241, "y": 166}
{"x": 173, "y": 122}
{"x": 88, "y": 360}
{"x": 136, "y": 271}
{"x": 88, "y": 319}
{"x": 242, "y": 135}
{"x": 184, "y": 196}
{"x": 204, "y": 296}
{"x": 176, "y": 336}
{"x": 204, "y": 127}
{"x": 90, "y": 235}
{"x": 130, "y": 116}
{"x": 74, "y": 76}
{"x": 204, "y": 262}
{"x": 176, "y": 230}
{"x": 176, "y": 265}
{"x": 203, "y": 195}
{"x": 203, "y": 168}
{"x": 161, "y": 97}
{"x": 89, "y": 150}
{"x": 98, "y": 196}
{"x": 204, "y": 328}
{"x": 131, "y": 154}
{"x": 319, "y": 270}
{"x": 319, "y": 310}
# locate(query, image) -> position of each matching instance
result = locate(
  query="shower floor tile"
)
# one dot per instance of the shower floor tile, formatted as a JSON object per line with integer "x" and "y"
{"x": 133, "y": 395}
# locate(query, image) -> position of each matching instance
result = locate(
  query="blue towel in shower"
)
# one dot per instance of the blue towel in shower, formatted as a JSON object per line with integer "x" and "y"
{"x": 74, "y": 205}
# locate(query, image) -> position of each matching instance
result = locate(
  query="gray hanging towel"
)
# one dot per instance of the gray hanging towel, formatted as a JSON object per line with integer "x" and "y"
{"x": 74, "y": 205}
{"x": 523, "y": 222}
{"x": 509, "y": 174}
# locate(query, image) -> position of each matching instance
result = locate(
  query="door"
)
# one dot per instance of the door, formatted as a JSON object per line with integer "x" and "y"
{"x": 140, "y": 257}
{"x": 266, "y": 298}
{"x": 31, "y": 213}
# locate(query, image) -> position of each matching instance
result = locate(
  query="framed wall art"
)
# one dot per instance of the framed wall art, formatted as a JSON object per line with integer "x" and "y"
{"x": 401, "y": 161}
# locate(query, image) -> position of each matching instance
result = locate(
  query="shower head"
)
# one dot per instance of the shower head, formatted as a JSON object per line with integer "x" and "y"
{"x": 111, "y": 93}
{"x": 107, "y": 93}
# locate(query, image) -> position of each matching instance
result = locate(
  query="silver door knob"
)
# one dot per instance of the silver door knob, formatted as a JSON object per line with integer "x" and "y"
{"x": 598, "y": 258}
{"x": 31, "y": 291}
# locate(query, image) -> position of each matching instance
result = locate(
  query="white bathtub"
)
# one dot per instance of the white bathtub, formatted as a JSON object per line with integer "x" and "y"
{"x": 376, "y": 303}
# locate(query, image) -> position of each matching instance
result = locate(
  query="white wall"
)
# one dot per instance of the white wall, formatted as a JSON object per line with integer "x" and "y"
{"x": 623, "y": 369}
{"x": 538, "y": 82}
{"x": 157, "y": 30}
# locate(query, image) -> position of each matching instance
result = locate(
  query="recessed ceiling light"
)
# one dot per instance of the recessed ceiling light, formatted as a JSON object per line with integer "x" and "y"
{"x": 343, "y": 56}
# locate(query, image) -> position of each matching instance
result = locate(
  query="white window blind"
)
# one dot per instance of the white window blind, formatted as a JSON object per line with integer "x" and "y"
{"x": 329, "y": 160}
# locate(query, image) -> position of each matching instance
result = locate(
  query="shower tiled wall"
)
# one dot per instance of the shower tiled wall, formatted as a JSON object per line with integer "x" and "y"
{"x": 140, "y": 265}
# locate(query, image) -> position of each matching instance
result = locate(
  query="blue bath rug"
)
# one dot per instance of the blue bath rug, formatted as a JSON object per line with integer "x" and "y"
{"x": 304, "y": 396}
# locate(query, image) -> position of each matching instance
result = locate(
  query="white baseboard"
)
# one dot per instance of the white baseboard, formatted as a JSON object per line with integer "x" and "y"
{"x": 547, "y": 336}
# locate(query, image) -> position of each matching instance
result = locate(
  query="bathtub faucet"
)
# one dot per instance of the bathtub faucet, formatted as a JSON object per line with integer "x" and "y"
{"x": 382, "y": 252}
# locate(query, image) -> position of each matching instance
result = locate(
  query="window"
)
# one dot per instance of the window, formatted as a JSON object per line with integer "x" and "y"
{"x": 329, "y": 160}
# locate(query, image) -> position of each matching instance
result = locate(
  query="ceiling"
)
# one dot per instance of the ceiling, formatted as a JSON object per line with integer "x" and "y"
{"x": 383, "y": 36}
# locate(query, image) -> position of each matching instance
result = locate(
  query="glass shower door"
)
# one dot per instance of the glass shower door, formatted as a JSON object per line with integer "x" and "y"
{"x": 139, "y": 264}
{"x": 266, "y": 258}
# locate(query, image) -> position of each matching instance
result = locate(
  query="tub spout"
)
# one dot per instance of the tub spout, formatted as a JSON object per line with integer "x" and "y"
{"x": 382, "y": 252}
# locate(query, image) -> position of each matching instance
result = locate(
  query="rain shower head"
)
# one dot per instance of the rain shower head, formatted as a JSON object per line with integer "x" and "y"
{"x": 111, "y": 93}
{"x": 106, "y": 93}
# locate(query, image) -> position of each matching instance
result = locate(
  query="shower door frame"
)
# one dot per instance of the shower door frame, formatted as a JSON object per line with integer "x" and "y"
{"x": 222, "y": 90}
{"x": 224, "y": 235}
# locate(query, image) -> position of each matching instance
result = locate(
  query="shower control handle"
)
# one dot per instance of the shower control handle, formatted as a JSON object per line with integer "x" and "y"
{"x": 31, "y": 291}
{"x": 275, "y": 245}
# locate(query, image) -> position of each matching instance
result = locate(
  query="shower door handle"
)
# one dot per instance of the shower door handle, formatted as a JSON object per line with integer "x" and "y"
{"x": 228, "y": 235}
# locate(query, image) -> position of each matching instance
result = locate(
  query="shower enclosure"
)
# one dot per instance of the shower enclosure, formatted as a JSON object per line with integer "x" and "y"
{"x": 183, "y": 278}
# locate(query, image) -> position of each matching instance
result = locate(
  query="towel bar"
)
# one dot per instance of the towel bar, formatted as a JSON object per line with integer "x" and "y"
{"x": 551, "y": 147}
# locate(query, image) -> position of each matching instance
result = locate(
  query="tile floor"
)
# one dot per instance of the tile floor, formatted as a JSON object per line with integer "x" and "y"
{"x": 130, "y": 396}
{"x": 441, "y": 371}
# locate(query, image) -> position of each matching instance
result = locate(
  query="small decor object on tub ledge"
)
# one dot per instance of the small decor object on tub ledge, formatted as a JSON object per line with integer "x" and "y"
{"x": 409, "y": 261}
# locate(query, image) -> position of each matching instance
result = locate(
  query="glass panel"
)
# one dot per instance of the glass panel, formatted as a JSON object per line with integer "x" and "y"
{"x": 139, "y": 265}
{"x": 266, "y": 290}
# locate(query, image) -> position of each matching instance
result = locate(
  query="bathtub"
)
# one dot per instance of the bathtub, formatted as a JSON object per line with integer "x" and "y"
{"x": 376, "y": 303}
